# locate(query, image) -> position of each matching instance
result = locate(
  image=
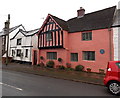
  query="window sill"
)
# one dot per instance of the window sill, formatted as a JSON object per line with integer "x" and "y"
{"x": 49, "y": 40}
{"x": 87, "y": 40}
{"x": 74, "y": 61}
{"x": 89, "y": 60}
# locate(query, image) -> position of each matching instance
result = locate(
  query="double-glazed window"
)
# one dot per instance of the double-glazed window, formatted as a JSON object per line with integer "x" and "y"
{"x": 74, "y": 57}
{"x": 26, "y": 53}
{"x": 52, "y": 55}
{"x": 18, "y": 52}
{"x": 19, "y": 41}
{"x": 89, "y": 55}
{"x": 48, "y": 36}
{"x": 86, "y": 36}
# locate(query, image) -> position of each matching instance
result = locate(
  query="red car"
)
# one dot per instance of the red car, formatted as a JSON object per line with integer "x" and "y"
{"x": 112, "y": 77}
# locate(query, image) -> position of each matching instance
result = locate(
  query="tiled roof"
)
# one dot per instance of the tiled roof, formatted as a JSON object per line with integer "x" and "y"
{"x": 61, "y": 22}
{"x": 31, "y": 32}
{"x": 27, "y": 33}
{"x": 11, "y": 29}
{"x": 92, "y": 21}
{"x": 14, "y": 28}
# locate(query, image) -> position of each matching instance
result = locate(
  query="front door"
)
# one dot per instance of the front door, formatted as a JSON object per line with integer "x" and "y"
{"x": 35, "y": 57}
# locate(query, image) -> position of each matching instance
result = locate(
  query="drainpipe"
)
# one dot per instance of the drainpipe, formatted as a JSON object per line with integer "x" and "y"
{"x": 7, "y": 24}
{"x": 110, "y": 43}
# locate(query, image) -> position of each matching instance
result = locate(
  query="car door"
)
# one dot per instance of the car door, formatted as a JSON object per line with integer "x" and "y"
{"x": 118, "y": 70}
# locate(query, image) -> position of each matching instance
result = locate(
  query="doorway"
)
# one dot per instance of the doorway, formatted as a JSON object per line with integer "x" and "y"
{"x": 35, "y": 58}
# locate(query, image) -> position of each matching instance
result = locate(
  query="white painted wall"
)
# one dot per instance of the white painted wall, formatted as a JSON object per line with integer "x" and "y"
{"x": 35, "y": 41}
{"x": 26, "y": 41}
{"x": 11, "y": 35}
{"x": 0, "y": 47}
{"x": 116, "y": 41}
{"x": 116, "y": 36}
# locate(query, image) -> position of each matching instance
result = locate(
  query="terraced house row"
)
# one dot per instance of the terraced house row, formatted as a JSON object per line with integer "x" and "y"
{"x": 89, "y": 39}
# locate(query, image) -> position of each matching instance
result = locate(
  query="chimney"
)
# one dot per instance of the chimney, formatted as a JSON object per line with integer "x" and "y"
{"x": 80, "y": 12}
{"x": 6, "y": 24}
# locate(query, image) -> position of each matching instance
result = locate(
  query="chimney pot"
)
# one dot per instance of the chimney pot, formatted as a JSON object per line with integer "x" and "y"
{"x": 80, "y": 12}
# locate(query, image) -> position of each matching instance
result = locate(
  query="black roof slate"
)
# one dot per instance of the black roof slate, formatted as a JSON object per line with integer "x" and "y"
{"x": 92, "y": 21}
{"x": 61, "y": 22}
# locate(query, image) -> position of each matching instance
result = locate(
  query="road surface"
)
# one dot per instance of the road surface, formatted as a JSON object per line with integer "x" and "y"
{"x": 23, "y": 84}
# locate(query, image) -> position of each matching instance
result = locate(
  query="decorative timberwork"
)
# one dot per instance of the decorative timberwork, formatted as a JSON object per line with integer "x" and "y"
{"x": 50, "y": 36}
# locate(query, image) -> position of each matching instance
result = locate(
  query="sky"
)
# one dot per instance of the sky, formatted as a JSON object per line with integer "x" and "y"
{"x": 32, "y": 13}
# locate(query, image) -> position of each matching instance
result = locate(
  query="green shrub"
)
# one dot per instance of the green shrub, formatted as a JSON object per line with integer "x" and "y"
{"x": 79, "y": 68}
{"x": 38, "y": 65}
{"x": 61, "y": 67}
{"x": 50, "y": 64}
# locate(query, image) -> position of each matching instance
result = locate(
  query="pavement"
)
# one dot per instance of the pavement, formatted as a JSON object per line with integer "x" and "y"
{"x": 90, "y": 78}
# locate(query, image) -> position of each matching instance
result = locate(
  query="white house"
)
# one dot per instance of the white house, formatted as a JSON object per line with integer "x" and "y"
{"x": 116, "y": 35}
{"x": 1, "y": 35}
{"x": 21, "y": 45}
{"x": 12, "y": 32}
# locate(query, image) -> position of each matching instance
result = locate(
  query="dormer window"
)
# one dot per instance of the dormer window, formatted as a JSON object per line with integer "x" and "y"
{"x": 19, "y": 41}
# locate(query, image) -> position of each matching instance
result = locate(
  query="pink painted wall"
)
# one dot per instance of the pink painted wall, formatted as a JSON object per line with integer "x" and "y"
{"x": 74, "y": 44}
{"x": 61, "y": 53}
{"x": 100, "y": 40}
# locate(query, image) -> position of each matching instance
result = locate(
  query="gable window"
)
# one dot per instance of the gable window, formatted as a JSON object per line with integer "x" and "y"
{"x": 87, "y": 36}
{"x": 52, "y": 55}
{"x": 26, "y": 53}
{"x": 48, "y": 36}
{"x": 18, "y": 52}
{"x": 89, "y": 55}
{"x": 19, "y": 41}
{"x": 74, "y": 57}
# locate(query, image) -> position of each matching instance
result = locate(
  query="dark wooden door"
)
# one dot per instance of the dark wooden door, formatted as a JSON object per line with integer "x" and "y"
{"x": 35, "y": 57}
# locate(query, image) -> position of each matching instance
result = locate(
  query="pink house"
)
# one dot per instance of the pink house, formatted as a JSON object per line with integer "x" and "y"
{"x": 86, "y": 40}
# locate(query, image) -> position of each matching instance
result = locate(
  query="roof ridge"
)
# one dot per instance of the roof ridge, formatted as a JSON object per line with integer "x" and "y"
{"x": 101, "y": 10}
{"x": 15, "y": 27}
{"x": 94, "y": 12}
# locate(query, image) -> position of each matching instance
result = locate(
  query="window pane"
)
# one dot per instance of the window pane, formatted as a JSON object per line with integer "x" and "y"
{"x": 90, "y": 36}
{"x": 26, "y": 53}
{"x": 74, "y": 56}
{"x": 83, "y": 36}
{"x": 88, "y": 55}
{"x": 48, "y": 36}
{"x": 87, "y": 36}
{"x": 18, "y": 52}
{"x": 13, "y": 52}
{"x": 52, "y": 55}
{"x": 19, "y": 41}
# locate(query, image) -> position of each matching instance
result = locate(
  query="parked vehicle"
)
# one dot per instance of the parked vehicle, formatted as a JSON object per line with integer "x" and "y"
{"x": 112, "y": 77}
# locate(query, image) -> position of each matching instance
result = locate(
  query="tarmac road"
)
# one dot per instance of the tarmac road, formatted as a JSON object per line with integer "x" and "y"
{"x": 23, "y": 84}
